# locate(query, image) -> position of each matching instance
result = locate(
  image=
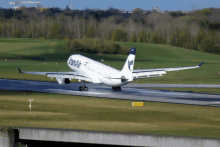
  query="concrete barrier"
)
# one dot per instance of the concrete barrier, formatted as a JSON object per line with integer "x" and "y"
{"x": 8, "y": 138}
{"x": 113, "y": 138}
{"x": 4, "y": 138}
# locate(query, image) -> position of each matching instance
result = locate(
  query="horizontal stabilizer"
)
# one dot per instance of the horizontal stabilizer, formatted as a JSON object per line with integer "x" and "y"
{"x": 200, "y": 64}
{"x": 19, "y": 70}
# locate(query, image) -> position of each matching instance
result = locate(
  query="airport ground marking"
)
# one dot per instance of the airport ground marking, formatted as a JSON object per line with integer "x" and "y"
{"x": 137, "y": 104}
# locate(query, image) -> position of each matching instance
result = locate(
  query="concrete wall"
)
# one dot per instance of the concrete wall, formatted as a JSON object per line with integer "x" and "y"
{"x": 8, "y": 138}
{"x": 4, "y": 138}
{"x": 111, "y": 138}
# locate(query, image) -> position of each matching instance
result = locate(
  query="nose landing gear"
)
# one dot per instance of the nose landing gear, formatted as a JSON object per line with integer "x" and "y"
{"x": 83, "y": 87}
{"x": 116, "y": 88}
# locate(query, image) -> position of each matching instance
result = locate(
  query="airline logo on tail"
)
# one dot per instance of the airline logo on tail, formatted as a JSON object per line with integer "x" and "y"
{"x": 130, "y": 63}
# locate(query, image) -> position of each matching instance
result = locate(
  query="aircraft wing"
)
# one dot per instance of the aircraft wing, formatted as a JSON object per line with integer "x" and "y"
{"x": 145, "y": 73}
{"x": 68, "y": 74}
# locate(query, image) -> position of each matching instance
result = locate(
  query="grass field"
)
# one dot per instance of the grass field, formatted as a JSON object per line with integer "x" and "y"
{"x": 196, "y": 90}
{"x": 88, "y": 113}
{"x": 34, "y": 52}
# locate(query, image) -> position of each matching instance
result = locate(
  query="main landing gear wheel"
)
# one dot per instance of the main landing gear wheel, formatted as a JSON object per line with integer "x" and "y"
{"x": 116, "y": 88}
{"x": 83, "y": 87}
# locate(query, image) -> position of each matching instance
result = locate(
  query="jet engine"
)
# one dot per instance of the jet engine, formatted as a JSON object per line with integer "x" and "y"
{"x": 123, "y": 79}
{"x": 61, "y": 80}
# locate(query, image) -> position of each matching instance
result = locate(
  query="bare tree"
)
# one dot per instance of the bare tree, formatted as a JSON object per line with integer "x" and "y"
{"x": 102, "y": 29}
{"x": 166, "y": 29}
{"x": 77, "y": 25}
{"x": 13, "y": 24}
{"x": 133, "y": 27}
{"x": 2, "y": 35}
{"x": 39, "y": 6}
{"x": 193, "y": 29}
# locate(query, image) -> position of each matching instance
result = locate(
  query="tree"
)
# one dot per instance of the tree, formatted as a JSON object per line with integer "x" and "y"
{"x": 133, "y": 37}
{"x": 155, "y": 37}
{"x": 174, "y": 38}
{"x": 132, "y": 27}
{"x": 55, "y": 31}
{"x": 108, "y": 35}
{"x": 67, "y": 8}
{"x": 125, "y": 36}
{"x": 207, "y": 44}
{"x": 184, "y": 38}
{"x": 103, "y": 27}
{"x": 1, "y": 30}
{"x": 17, "y": 34}
{"x": 22, "y": 8}
{"x": 90, "y": 33}
{"x": 77, "y": 26}
{"x": 39, "y": 6}
{"x": 118, "y": 35}
{"x": 142, "y": 37}
{"x": 193, "y": 29}
{"x": 201, "y": 34}
{"x": 205, "y": 12}
{"x": 137, "y": 10}
{"x": 217, "y": 49}
{"x": 43, "y": 10}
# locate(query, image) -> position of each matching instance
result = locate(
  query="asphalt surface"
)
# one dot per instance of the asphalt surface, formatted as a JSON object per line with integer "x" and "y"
{"x": 131, "y": 91}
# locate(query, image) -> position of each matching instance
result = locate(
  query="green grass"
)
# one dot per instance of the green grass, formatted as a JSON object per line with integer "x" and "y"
{"x": 197, "y": 90}
{"x": 34, "y": 52}
{"x": 88, "y": 113}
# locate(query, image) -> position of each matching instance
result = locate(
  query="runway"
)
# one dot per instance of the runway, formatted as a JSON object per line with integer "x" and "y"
{"x": 136, "y": 92}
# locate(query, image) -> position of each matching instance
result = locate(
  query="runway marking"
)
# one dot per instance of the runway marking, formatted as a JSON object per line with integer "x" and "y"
{"x": 91, "y": 92}
{"x": 155, "y": 91}
{"x": 86, "y": 92}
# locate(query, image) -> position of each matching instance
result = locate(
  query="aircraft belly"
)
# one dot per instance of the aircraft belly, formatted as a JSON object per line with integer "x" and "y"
{"x": 94, "y": 76}
{"x": 113, "y": 82}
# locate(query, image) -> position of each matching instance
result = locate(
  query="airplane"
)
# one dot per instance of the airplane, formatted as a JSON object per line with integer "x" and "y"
{"x": 86, "y": 69}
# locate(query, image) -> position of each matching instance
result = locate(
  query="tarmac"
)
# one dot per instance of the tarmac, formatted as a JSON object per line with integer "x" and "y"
{"x": 136, "y": 92}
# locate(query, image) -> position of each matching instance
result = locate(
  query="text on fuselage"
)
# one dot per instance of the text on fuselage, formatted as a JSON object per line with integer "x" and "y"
{"x": 75, "y": 63}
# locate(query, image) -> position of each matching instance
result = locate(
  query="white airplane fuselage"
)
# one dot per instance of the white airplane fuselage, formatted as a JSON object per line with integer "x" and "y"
{"x": 98, "y": 72}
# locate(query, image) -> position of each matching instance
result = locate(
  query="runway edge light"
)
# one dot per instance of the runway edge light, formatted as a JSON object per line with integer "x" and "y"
{"x": 137, "y": 104}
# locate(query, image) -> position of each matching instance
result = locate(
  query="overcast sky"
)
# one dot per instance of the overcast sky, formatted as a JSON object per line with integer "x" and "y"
{"x": 170, "y": 5}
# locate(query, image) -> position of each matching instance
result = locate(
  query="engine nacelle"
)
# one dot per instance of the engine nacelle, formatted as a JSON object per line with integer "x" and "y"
{"x": 61, "y": 80}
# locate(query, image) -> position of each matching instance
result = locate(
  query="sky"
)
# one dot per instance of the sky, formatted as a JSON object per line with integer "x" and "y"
{"x": 127, "y": 5}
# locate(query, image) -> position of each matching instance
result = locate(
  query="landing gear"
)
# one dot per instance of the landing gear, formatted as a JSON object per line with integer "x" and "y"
{"x": 116, "y": 88}
{"x": 83, "y": 87}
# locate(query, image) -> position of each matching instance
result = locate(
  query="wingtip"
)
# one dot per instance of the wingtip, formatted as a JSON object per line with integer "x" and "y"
{"x": 19, "y": 70}
{"x": 201, "y": 64}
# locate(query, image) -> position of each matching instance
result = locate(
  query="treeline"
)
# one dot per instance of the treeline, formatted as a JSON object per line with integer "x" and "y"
{"x": 205, "y": 41}
{"x": 198, "y": 30}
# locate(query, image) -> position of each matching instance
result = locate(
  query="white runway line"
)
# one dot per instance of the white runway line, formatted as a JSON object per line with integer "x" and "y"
{"x": 90, "y": 92}
{"x": 157, "y": 92}
{"x": 215, "y": 102}
{"x": 86, "y": 92}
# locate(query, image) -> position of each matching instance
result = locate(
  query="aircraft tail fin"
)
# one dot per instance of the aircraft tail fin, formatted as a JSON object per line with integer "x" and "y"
{"x": 129, "y": 64}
